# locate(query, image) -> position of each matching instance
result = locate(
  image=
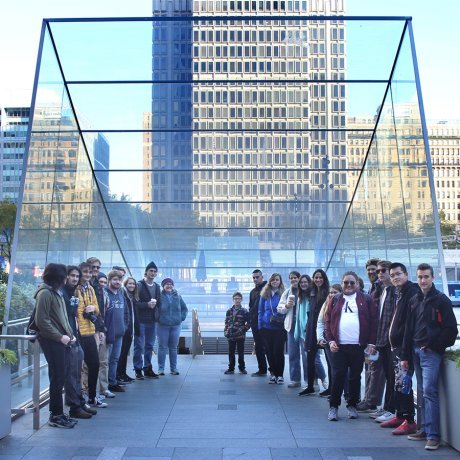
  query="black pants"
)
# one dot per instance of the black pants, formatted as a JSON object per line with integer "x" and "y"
{"x": 311, "y": 365}
{"x": 56, "y": 355}
{"x": 275, "y": 341}
{"x": 388, "y": 370}
{"x": 91, "y": 358}
{"x": 404, "y": 403}
{"x": 72, "y": 387}
{"x": 125, "y": 347}
{"x": 232, "y": 346}
{"x": 259, "y": 346}
{"x": 349, "y": 358}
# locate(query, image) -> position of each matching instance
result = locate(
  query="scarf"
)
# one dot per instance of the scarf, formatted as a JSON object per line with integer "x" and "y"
{"x": 301, "y": 319}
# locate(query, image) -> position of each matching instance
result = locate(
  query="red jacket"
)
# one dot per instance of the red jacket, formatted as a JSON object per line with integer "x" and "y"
{"x": 367, "y": 313}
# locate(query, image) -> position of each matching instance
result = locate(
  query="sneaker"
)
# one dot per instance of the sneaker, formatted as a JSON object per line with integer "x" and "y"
{"x": 108, "y": 394}
{"x": 97, "y": 403}
{"x": 307, "y": 392}
{"x": 363, "y": 406}
{"x": 419, "y": 435}
{"x": 59, "y": 421}
{"x": 161, "y": 372}
{"x": 377, "y": 413}
{"x": 121, "y": 383}
{"x": 432, "y": 444}
{"x": 139, "y": 375}
{"x": 79, "y": 413}
{"x": 352, "y": 412}
{"x": 333, "y": 415}
{"x": 69, "y": 419}
{"x": 384, "y": 417}
{"x": 243, "y": 371}
{"x": 149, "y": 373}
{"x": 116, "y": 388}
{"x": 405, "y": 428}
{"x": 294, "y": 385}
{"x": 325, "y": 393}
{"x": 174, "y": 372}
{"x": 229, "y": 371}
{"x": 280, "y": 380}
{"x": 272, "y": 380}
{"x": 89, "y": 409}
{"x": 392, "y": 423}
{"x": 259, "y": 374}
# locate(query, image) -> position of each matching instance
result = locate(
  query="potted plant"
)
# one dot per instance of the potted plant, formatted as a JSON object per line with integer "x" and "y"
{"x": 449, "y": 383}
{"x": 7, "y": 358}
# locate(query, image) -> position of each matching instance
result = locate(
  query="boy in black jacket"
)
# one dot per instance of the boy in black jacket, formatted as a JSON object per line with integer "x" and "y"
{"x": 237, "y": 323}
{"x": 431, "y": 327}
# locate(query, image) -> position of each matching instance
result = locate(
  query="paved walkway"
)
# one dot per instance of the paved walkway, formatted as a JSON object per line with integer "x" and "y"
{"x": 204, "y": 414}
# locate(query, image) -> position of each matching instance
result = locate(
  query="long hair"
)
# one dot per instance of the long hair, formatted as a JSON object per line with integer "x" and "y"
{"x": 136, "y": 289}
{"x": 304, "y": 293}
{"x": 323, "y": 291}
{"x": 55, "y": 275}
{"x": 267, "y": 289}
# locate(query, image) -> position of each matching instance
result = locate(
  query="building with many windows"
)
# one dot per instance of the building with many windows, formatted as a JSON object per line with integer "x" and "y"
{"x": 14, "y": 122}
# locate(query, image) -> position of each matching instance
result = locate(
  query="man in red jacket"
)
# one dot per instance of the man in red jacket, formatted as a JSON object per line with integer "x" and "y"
{"x": 350, "y": 327}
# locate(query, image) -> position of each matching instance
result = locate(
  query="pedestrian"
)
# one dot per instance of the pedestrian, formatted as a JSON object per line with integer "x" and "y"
{"x": 237, "y": 323}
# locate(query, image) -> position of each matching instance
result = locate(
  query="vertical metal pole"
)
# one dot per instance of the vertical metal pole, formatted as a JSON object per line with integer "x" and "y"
{"x": 36, "y": 386}
{"x": 442, "y": 265}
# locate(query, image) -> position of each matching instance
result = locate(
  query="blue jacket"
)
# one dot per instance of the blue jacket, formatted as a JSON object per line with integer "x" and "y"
{"x": 267, "y": 307}
{"x": 172, "y": 309}
{"x": 116, "y": 315}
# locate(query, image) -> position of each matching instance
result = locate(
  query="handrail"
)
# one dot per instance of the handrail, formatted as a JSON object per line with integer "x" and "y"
{"x": 35, "y": 409}
{"x": 197, "y": 340}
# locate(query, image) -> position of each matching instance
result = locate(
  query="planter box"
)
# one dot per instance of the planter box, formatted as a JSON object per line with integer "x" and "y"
{"x": 449, "y": 401}
{"x": 5, "y": 400}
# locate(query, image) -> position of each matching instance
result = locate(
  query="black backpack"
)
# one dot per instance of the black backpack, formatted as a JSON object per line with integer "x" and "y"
{"x": 32, "y": 328}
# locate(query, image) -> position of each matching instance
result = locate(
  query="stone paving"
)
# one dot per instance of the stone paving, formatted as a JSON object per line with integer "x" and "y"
{"x": 204, "y": 414}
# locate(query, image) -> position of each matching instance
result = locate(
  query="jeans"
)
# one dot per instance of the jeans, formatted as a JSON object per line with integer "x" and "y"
{"x": 143, "y": 346}
{"x": 113, "y": 352}
{"x": 57, "y": 356}
{"x": 427, "y": 365}
{"x": 168, "y": 339}
{"x": 72, "y": 387}
{"x": 236, "y": 345}
{"x": 91, "y": 358}
{"x": 349, "y": 358}
{"x": 296, "y": 352}
{"x": 125, "y": 346}
{"x": 274, "y": 346}
{"x": 260, "y": 349}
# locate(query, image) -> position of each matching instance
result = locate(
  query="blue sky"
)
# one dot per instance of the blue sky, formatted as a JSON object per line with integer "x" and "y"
{"x": 435, "y": 29}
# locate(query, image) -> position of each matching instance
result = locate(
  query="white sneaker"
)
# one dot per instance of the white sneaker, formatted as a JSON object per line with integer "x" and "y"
{"x": 272, "y": 380}
{"x": 280, "y": 380}
{"x": 96, "y": 402}
{"x": 377, "y": 413}
{"x": 384, "y": 417}
{"x": 294, "y": 385}
{"x": 108, "y": 394}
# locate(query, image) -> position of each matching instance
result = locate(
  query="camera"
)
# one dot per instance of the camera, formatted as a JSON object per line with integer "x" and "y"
{"x": 91, "y": 316}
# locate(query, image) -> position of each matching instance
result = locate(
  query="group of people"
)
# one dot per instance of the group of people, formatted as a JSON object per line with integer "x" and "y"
{"x": 86, "y": 323}
{"x": 396, "y": 328}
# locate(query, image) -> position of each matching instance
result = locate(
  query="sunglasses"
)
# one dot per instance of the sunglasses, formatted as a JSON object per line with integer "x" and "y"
{"x": 349, "y": 283}
{"x": 380, "y": 270}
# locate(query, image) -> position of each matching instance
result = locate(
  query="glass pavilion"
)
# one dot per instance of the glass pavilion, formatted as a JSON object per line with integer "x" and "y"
{"x": 217, "y": 145}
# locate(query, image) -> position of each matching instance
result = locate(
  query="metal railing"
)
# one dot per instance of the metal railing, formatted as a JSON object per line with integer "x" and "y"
{"x": 197, "y": 339}
{"x": 34, "y": 407}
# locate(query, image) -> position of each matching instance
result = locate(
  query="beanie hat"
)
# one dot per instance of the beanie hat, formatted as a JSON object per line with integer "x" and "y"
{"x": 101, "y": 275}
{"x": 151, "y": 265}
{"x": 166, "y": 281}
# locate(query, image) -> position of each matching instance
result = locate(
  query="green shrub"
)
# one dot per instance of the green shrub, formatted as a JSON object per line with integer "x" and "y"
{"x": 8, "y": 357}
{"x": 453, "y": 355}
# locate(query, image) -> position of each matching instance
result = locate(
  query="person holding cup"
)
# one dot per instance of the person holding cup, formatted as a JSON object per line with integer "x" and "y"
{"x": 289, "y": 306}
{"x": 146, "y": 314}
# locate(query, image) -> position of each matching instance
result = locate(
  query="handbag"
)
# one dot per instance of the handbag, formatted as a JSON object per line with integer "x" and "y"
{"x": 276, "y": 320}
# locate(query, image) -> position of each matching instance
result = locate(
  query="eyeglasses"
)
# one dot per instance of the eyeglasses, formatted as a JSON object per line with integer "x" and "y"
{"x": 393, "y": 275}
{"x": 349, "y": 283}
{"x": 380, "y": 270}
{"x": 96, "y": 266}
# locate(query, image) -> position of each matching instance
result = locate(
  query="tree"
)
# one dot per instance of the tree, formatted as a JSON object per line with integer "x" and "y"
{"x": 448, "y": 232}
{"x": 7, "y": 220}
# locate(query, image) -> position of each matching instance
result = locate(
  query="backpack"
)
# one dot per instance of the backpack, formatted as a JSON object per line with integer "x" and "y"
{"x": 32, "y": 328}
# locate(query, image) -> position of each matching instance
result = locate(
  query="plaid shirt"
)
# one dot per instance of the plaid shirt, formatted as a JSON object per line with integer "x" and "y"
{"x": 386, "y": 315}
